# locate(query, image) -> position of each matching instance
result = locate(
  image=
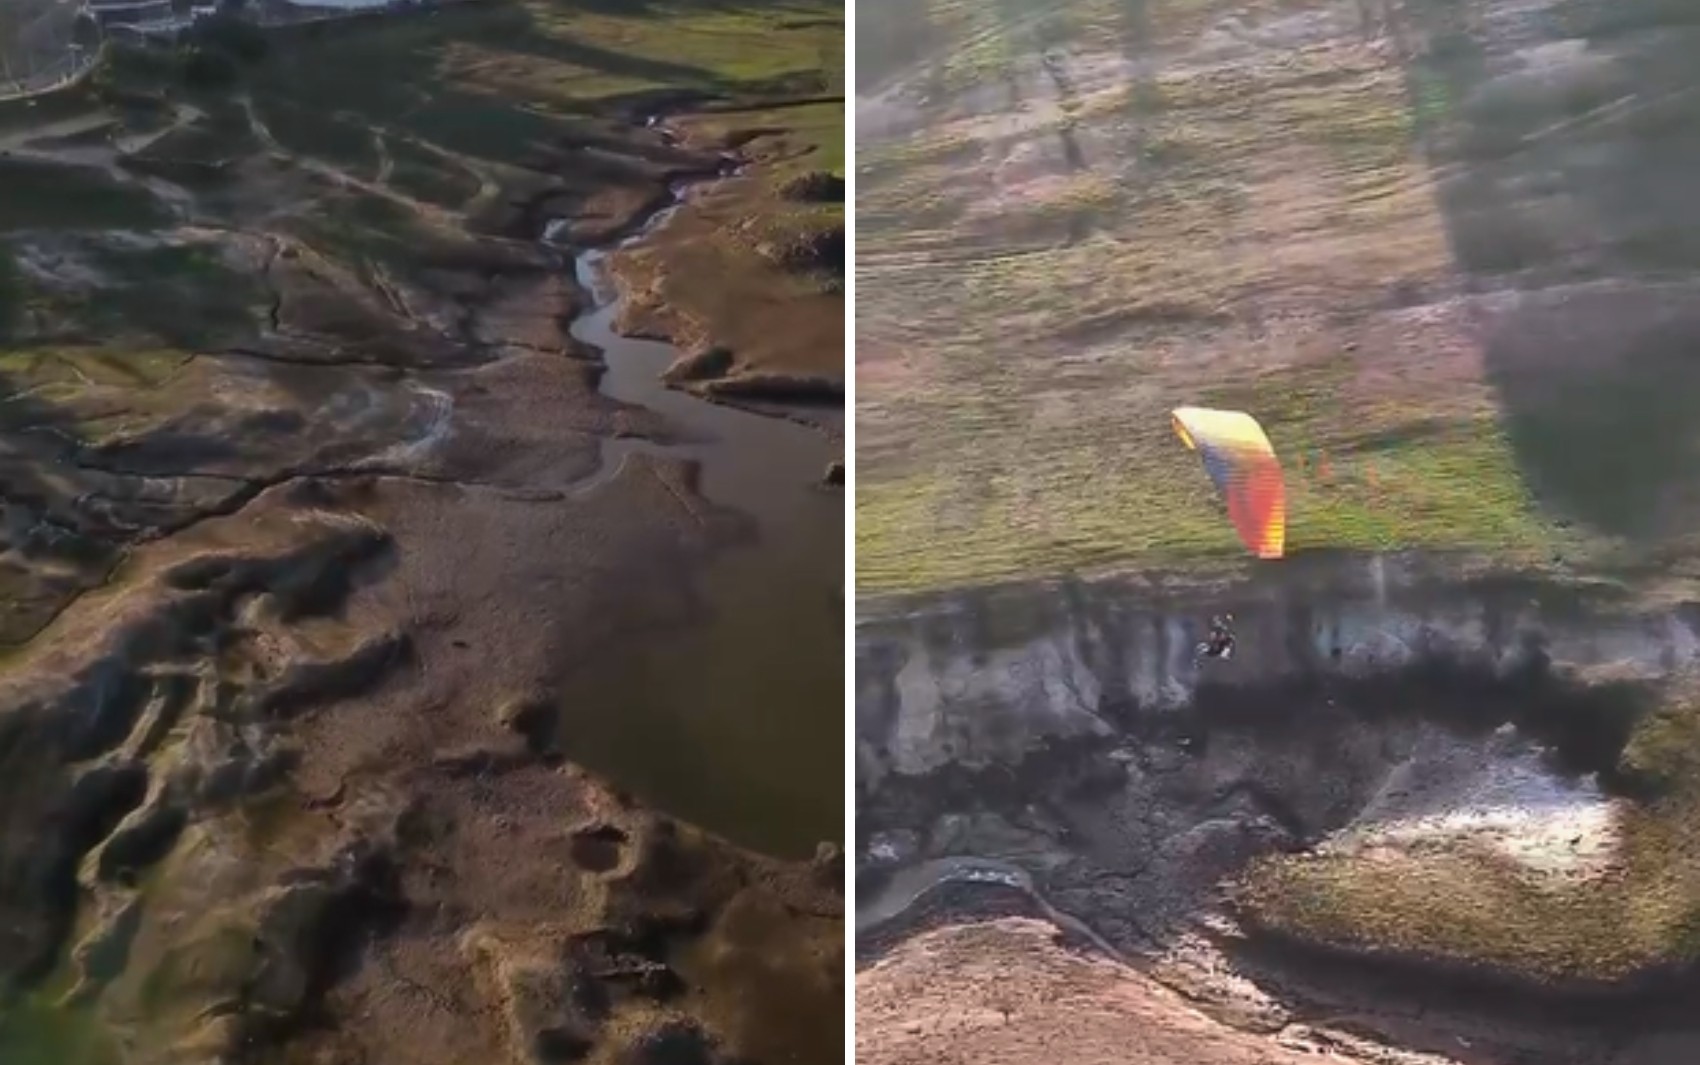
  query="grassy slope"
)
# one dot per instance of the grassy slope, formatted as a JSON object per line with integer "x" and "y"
{"x": 489, "y": 82}
{"x": 1050, "y": 265}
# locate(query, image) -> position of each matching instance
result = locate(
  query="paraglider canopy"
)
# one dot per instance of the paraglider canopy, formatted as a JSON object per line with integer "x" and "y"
{"x": 1242, "y": 463}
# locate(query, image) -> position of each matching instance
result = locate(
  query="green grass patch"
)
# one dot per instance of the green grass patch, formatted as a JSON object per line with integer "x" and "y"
{"x": 794, "y": 140}
{"x": 1472, "y": 908}
{"x": 814, "y": 140}
{"x": 89, "y": 394}
{"x": 38, "y": 1032}
{"x": 68, "y": 370}
{"x": 494, "y": 82}
{"x": 1001, "y": 498}
{"x": 1051, "y": 269}
{"x": 485, "y": 79}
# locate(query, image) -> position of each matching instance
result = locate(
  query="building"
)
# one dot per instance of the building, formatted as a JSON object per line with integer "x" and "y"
{"x": 340, "y": 6}
{"x": 130, "y": 12}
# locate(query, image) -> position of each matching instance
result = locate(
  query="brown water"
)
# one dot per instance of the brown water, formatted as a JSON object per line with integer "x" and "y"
{"x": 735, "y": 723}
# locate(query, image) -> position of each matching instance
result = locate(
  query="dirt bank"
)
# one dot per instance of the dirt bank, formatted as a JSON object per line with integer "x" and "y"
{"x": 1007, "y": 992}
{"x": 761, "y": 239}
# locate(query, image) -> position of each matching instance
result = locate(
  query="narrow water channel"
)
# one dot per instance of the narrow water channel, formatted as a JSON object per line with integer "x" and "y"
{"x": 735, "y": 723}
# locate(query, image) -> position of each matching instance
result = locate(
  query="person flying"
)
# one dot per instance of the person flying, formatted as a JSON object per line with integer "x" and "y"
{"x": 1221, "y": 641}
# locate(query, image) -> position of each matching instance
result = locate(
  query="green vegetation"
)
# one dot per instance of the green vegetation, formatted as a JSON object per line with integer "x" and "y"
{"x": 41, "y": 1033}
{"x": 1473, "y": 908}
{"x": 799, "y": 222}
{"x": 68, "y": 370}
{"x": 493, "y": 81}
{"x": 1099, "y": 499}
{"x": 1052, "y": 279}
{"x": 1044, "y": 274}
{"x": 813, "y": 140}
{"x": 793, "y": 141}
{"x": 439, "y": 107}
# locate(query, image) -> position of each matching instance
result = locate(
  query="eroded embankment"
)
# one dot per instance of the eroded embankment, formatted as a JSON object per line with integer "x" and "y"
{"x": 1419, "y": 806}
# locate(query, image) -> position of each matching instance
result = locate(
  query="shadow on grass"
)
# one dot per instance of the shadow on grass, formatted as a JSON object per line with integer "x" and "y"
{"x": 393, "y": 67}
{"x": 394, "y": 76}
{"x": 1567, "y": 177}
{"x": 605, "y": 61}
{"x": 892, "y": 36}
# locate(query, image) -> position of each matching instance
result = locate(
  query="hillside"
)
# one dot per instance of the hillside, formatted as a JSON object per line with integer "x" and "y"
{"x": 1443, "y": 250}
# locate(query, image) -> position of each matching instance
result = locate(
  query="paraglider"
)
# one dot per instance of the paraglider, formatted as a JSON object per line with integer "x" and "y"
{"x": 1246, "y": 471}
{"x": 1221, "y": 641}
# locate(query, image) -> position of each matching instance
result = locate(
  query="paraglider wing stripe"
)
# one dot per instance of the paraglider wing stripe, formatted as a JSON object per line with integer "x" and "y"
{"x": 1219, "y": 466}
{"x": 1242, "y": 464}
{"x": 1256, "y": 500}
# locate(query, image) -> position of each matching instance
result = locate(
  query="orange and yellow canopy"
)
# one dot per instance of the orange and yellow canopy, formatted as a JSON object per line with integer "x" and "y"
{"x": 1239, "y": 458}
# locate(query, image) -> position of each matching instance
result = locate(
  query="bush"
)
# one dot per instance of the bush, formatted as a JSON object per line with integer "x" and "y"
{"x": 808, "y": 249}
{"x": 817, "y": 186}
